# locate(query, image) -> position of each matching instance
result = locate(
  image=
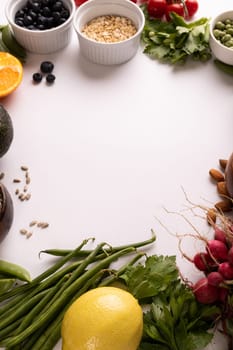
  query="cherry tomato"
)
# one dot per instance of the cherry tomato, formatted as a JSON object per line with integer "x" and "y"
{"x": 79, "y": 2}
{"x": 192, "y": 7}
{"x": 156, "y": 8}
{"x": 176, "y": 7}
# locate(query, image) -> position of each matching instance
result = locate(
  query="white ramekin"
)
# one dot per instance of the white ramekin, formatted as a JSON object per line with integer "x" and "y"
{"x": 221, "y": 52}
{"x": 44, "y": 41}
{"x": 108, "y": 53}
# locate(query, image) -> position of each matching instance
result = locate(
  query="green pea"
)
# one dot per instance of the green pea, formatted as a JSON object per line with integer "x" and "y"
{"x": 229, "y": 43}
{"x": 230, "y": 31}
{"x": 228, "y": 21}
{"x": 218, "y": 33}
{"x": 220, "y": 25}
{"x": 12, "y": 270}
{"x": 226, "y": 38}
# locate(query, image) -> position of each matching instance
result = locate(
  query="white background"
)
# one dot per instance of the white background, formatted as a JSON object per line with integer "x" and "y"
{"x": 108, "y": 148}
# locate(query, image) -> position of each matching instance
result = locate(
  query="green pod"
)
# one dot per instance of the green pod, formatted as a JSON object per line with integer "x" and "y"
{"x": 226, "y": 68}
{"x": 9, "y": 269}
{"x": 6, "y": 284}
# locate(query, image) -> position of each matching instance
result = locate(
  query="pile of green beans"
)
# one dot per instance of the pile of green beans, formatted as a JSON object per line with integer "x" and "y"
{"x": 31, "y": 314}
{"x": 223, "y": 32}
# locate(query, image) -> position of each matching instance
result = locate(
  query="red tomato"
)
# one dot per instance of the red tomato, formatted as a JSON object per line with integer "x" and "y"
{"x": 192, "y": 7}
{"x": 176, "y": 7}
{"x": 156, "y": 8}
{"x": 79, "y": 2}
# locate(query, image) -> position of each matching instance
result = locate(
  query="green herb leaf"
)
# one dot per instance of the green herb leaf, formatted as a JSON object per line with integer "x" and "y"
{"x": 176, "y": 40}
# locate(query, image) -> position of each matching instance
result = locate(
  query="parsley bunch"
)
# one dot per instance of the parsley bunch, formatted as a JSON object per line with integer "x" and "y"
{"x": 174, "y": 41}
{"x": 174, "y": 320}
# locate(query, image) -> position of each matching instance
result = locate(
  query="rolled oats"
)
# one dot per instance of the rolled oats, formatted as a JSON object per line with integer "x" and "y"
{"x": 109, "y": 28}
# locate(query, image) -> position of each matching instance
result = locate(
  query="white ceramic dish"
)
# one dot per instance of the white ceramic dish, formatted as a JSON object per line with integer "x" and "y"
{"x": 108, "y": 53}
{"x": 221, "y": 52}
{"x": 44, "y": 41}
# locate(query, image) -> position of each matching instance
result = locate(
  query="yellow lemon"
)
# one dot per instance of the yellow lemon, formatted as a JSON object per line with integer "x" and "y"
{"x": 104, "y": 318}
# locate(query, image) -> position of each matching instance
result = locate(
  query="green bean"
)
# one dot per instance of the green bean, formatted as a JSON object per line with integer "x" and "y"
{"x": 21, "y": 310}
{"x": 44, "y": 275}
{"x": 11, "y": 327}
{"x": 81, "y": 253}
{"x": 15, "y": 271}
{"x": 68, "y": 294}
{"x": 34, "y": 312}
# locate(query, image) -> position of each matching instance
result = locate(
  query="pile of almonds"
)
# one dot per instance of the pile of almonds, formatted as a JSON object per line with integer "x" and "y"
{"x": 223, "y": 178}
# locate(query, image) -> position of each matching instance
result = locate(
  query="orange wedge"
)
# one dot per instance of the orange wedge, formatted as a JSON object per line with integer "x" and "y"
{"x": 11, "y": 73}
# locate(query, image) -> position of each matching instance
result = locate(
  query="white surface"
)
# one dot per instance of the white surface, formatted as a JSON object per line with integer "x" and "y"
{"x": 109, "y": 147}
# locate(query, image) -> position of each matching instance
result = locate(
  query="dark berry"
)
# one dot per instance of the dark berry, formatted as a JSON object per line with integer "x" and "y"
{"x": 50, "y": 78}
{"x": 46, "y": 67}
{"x": 37, "y": 77}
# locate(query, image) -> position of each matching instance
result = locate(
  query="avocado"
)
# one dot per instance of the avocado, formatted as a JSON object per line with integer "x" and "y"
{"x": 6, "y": 131}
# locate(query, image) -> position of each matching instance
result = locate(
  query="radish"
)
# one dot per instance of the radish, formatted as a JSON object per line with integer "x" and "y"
{"x": 222, "y": 294}
{"x": 220, "y": 235}
{"x": 217, "y": 249}
{"x": 203, "y": 261}
{"x": 230, "y": 256}
{"x": 215, "y": 278}
{"x": 204, "y": 292}
{"x": 226, "y": 270}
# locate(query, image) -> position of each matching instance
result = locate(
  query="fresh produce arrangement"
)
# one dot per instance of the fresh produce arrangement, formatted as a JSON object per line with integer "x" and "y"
{"x": 119, "y": 297}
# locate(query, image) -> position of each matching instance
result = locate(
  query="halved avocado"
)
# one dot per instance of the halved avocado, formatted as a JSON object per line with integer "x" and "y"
{"x": 6, "y": 131}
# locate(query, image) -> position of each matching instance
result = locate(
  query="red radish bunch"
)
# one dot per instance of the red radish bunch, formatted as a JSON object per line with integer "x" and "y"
{"x": 217, "y": 264}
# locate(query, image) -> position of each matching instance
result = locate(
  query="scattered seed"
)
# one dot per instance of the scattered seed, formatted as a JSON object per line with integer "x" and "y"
{"x": 17, "y": 191}
{"x": 211, "y": 216}
{"x": 216, "y": 175}
{"x": 28, "y": 196}
{"x": 2, "y": 176}
{"x": 29, "y": 234}
{"x": 24, "y": 168}
{"x": 28, "y": 180}
{"x": 16, "y": 180}
{"x": 23, "y": 231}
{"x": 25, "y": 189}
{"x": 33, "y": 223}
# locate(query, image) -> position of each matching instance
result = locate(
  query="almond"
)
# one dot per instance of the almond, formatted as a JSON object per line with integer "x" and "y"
{"x": 222, "y": 188}
{"x": 224, "y": 206}
{"x": 211, "y": 216}
{"x": 223, "y": 163}
{"x": 216, "y": 175}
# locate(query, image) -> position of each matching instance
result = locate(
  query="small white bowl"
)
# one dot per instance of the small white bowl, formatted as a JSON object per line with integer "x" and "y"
{"x": 108, "y": 53}
{"x": 41, "y": 41}
{"x": 221, "y": 52}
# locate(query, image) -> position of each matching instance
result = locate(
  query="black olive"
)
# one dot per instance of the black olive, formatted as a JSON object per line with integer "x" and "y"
{"x": 50, "y": 78}
{"x": 19, "y": 21}
{"x": 27, "y": 20}
{"x": 37, "y": 77}
{"x": 46, "y": 67}
{"x": 57, "y": 6}
{"x": 20, "y": 14}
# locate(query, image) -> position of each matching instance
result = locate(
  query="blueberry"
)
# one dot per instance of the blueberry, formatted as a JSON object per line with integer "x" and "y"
{"x": 37, "y": 77}
{"x": 50, "y": 78}
{"x": 46, "y": 67}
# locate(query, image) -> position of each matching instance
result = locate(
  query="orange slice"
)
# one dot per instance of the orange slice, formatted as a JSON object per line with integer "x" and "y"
{"x": 11, "y": 73}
